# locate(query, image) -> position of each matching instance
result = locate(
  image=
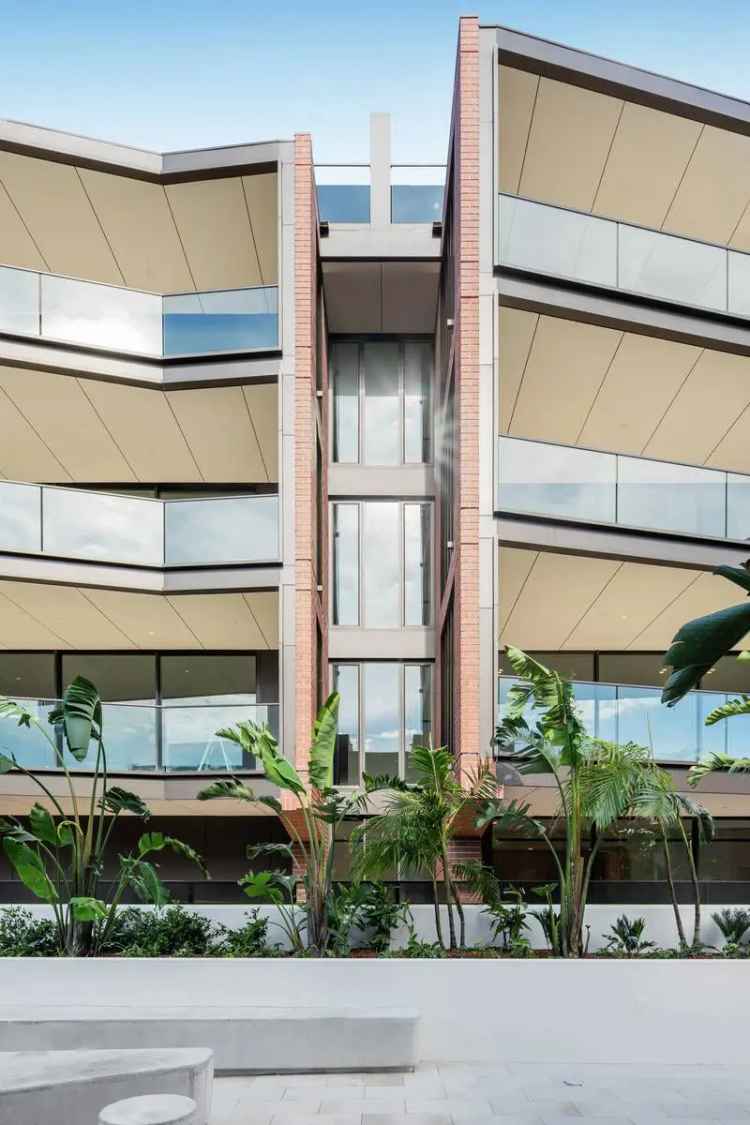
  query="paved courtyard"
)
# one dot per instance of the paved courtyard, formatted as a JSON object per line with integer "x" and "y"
{"x": 528, "y": 1093}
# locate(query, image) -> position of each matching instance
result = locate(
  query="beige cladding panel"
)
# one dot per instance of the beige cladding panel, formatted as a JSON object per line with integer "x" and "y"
{"x": 707, "y": 594}
{"x": 212, "y": 220}
{"x": 263, "y": 406}
{"x": 68, "y": 612}
{"x": 715, "y": 189}
{"x": 24, "y": 455}
{"x": 517, "y": 94}
{"x": 136, "y": 218}
{"x": 515, "y": 567}
{"x": 224, "y": 623}
{"x": 22, "y": 630}
{"x": 219, "y": 429}
{"x": 264, "y": 606}
{"x": 517, "y": 328}
{"x": 150, "y": 621}
{"x": 261, "y": 196}
{"x": 17, "y": 247}
{"x": 52, "y": 201}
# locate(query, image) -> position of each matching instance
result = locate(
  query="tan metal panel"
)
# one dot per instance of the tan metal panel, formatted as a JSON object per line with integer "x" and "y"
{"x": 68, "y": 612}
{"x": 711, "y": 399}
{"x": 627, "y": 605}
{"x": 515, "y": 565}
{"x": 138, "y": 223}
{"x": 264, "y": 606}
{"x": 219, "y": 621}
{"x": 733, "y": 451}
{"x": 715, "y": 189}
{"x": 570, "y": 135}
{"x": 143, "y": 425}
{"x": 55, "y": 208}
{"x": 567, "y": 364}
{"x": 263, "y": 404}
{"x": 149, "y": 620}
{"x": 517, "y": 328}
{"x": 649, "y": 155}
{"x": 517, "y": 93}
{"x": 221, "y": 435}
{"x": 559, "y": 591}
{"x": 18, "y": 629}
{"x": 707, "y": 594}
{"x": 16, "y": 244}
{"x": 212, "y": 221}
{"x": 644, "y": 377}
{"x": 58, "y": 409}
{"x": 261, "y": 194}
{"x": 23, "y": 454}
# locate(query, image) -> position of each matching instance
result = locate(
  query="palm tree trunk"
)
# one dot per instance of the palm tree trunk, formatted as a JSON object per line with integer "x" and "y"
{"x": 696, "y": 889}
{"x": 672, "y": 889}
{"x": 448, "y": 898}
{"x": 461, "y": 918}
{"x": 436, "y": 904}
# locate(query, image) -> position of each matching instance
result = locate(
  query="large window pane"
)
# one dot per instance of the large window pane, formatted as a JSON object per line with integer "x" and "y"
{"x": 346, "y": 764}
{"x": 672, "y": 732}
{"x": 20, "y": 517}
{"x": 345, "y": 564}
{"x": 229, "y": 530}
{"x": 233, "y": 320}
{"x": 29, "y": 677}
{"x": 417, "y": 576}
{"x": 556, "y": 480}
{"x": 345, "y": 370}
{"x": 382, "y": 565}
{"x": 670, "y": 497}
{"x": 677, "y": 269}
{"x": 417, "y": 710}
{"x": 738, "y": 506}
{"x": 550, "y": 240}
{"x": 382, "y": 718}
{"x": 102, "y": 526}
{"x": 127, "y": 684}
{"x": 101, "y": 316}
{"x": 417, "y": 380}
{"x": 201, "y": 694}
{"x": 19, "y": 302}
{"x": 382, "y": 379}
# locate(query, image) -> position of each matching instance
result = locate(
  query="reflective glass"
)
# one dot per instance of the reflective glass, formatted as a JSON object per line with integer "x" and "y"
{"x": 98, "y": 526}
{"x": 28, "y": 677}
{"x": 534, "y": 236}
{"x": 346, "y": 765}
{"x": 344, "y": 203}
{"x": 556, "y": 480}
{"x": 416, "y": 203}
{"x": 19, "y": 302}
{"x": 382, "y": 422}
{"x": 597, "y": 706}
{"x": 739, "y": 283}
{"x": 345, "y": 368}
{"x": 670, "y": 497}
{"x": 27, "y": 744}
{"x": 676, "y": 269}
{"x": 127, "y": 684}
{"x": 101, "y": 316}
{"x": 417, "y": 380}
{"x": 382, "y": 564}
{"x": 417, "y": 710}
{"x": 417, "y": 570}
{"x": 642, "y": 668}
{"x": 381, "y": 700}
{"x": 232, "y": 320}
{"x": 738, "y": 506}
{"x": 713, "y": 739}
{"x": 20, "y": 517}
{"x": 672, "y": 732}
{"x": 345, "y": 564}
{"x": 229, "y": 530}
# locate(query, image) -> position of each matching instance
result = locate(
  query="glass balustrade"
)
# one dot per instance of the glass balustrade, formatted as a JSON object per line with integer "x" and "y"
{"x": 145, "y": 738}
{"x": 343, "y": 192}
{"x": 417, "y": 193}
{"x": 138, "y": 531}
{"x": 626, "y": 713}
{"x": 564, "y": 482}
{"x": 581, "y": 247}
{"x": 110, "y": 318}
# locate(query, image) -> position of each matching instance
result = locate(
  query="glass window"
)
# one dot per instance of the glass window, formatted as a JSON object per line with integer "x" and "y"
{"x": 727, "y": 858}
{"x": 645, "y": 668}
{"x": 346, "y": 769}
{"x": 556, "y": 480}
{"x": 670, "y": 497}
{"x": 343, "y": 193}
{"x": 382, "y": 564}
{"x": 739, "y": 283}
{"x": 28, "y": 677}
{"x": 382, "y": 422}
{"x": 127, "y": 684}
{"x": 570, "y": 665}
{"x": 381, "y": 701}
{"x": 20, "y": 517}
{"x": 346, "y": 564}
{"x": 534, "y": 236}
{"x": 729, "y": 674}
{"x": 676, "y": 269}
{"x": 417, "y": 573}
{"x": 101, "y": 316}
{"x": 231, "y": 321}
{"x": 417, "y": 710}
{"x": 19, "y": 302}
{"x": 345, "y": 371}
{"x": 738, "y": 506}
{"x": 202, "y": 693}
{"x": 417, "y": 374}
{"x": 231, "y": 529}
{"x": 672, "y": 732}
{"x": 105, "y": 526}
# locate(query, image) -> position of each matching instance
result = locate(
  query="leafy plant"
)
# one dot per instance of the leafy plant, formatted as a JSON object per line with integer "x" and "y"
{"x": 417, "y": 824}
{"x": 59, "y": 854}
{"x": 167, "y": 931}
{"x": 320, "y": 810}
{"x": 549, "y": 919}
{"x": 23, "y": 935}
{"x": 507, "y": 915}
{"x": 380, "y": 914}
{"x": 248, "y": 940}
{"x": 626, "y": 937}
{"x": 733, "y": 925}
{"x": 280, "y": 890}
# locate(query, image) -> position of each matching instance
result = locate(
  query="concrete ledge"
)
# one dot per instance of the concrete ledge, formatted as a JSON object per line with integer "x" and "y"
{"x": 243, "y": 1039}
{"x": 71, "y": 1087}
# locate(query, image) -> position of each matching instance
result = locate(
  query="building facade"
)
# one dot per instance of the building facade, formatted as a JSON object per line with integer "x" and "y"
{"x": 272, "y": 428}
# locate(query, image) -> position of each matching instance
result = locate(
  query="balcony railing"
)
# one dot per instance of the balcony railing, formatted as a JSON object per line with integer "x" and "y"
{"x": 92, "y": 315}
{"x": 564, "y": 482}
{"x": 178, "y": 737}
{"x": 417, "y": 193}
{"x": 135, "y": 531}
{"x": 343, "y": 192}
{"x": 625, "y": 713}
{"x": 581, "y": 247}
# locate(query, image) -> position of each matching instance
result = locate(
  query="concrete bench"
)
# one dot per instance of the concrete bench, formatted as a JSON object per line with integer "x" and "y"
{"x": 244, "y": 1039}
{"x": 152, "y": 1109}
{"x": 70, "y": 1087}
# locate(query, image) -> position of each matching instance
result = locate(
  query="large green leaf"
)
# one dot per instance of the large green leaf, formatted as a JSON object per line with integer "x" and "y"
{"x": 277, "y": 769}
{"x": 117, "y": 800}
{"x": 80, "y": 713}
{"x": 227, "y": 787}
{"x": 29, "y": 867}
{"x": 148, "y": 886}
{"x": 88, "y": 909}
{"x": 320, "y": 763}
{"x": 42, "y": 825}
{"x": 157, "y": 842}
{"x": 6, "y": 764}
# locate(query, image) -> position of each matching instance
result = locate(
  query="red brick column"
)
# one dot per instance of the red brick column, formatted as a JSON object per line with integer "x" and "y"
{"x": 466, "y": 352}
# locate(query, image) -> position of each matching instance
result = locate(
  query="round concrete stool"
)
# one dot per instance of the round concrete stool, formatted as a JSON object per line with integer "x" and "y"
{"x": 151, "y": 1109}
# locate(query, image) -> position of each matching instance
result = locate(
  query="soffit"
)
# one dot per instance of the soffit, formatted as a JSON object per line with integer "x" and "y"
{"x": 573, "y": 147}
{"x": 381, "y": 296}
{"x": 60, "y": 429}
{"x": 556, "y": 602}
{"x": 39, "y": 616}
{"x": 581, "y": 384}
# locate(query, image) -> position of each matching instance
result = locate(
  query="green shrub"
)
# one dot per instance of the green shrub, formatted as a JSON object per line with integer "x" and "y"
{"x": 23, "y": 935}
{"x": 170, "y": 931}
{"x": 250, "y": 940}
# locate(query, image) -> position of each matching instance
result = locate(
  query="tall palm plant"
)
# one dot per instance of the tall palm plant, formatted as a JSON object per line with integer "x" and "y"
{"x": 416, "y": 826}
{"x": 597, "y": 782}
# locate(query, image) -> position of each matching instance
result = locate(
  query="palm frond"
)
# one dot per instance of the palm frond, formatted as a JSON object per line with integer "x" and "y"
{"x": 729, "y": 710}
{"x": 716, "y": 763}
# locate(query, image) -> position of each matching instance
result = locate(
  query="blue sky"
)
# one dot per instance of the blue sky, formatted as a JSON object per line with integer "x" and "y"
{"x": 170, "y": 74}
